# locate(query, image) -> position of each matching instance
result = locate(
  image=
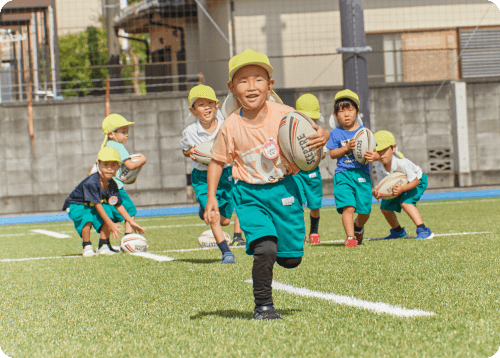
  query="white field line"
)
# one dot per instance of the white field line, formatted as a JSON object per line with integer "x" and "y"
{"x": 377, "y": 307}
{"x": 199, "y": 249}
{"x": 155, "y": 257}
{"x": 51, "y": 233}
{"x": 412, "y": 237}
{"x": 39, "y": 258}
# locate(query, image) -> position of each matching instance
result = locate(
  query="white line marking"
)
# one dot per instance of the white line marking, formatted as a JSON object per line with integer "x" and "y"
{"x": 40, "y": 258}
{"x": 378, "y": 307}
{"x": 200, "y": 249}
{"x": 51, "y": 233}
{"x": 167, "y": 226}
{"x": 412, "y": 237}
{"x": 155, "y": 257}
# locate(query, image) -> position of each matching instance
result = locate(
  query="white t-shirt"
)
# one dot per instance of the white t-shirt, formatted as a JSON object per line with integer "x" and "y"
{"x": 404, "y": 165}
{"x": 195, "y": 134}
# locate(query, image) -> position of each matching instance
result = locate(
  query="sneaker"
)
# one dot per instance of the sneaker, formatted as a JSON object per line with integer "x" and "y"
{"x": 88, "y": 251}
{"x": 266, "y": 313}
{"x": 396, "y": 235}
{"x": 359, "y": 235}
{"x": 351, "y": 242}
{"x": 238, "y": 241}
{"x": 228, "y": 258}
{"x": 104, "y": 250}
{"x": 314, "y": 239}
{"x": 115, "y": 249}
{"x": 423, "y": 234}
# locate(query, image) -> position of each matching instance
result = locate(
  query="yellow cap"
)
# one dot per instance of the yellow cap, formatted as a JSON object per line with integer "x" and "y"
{"x": 249, "y": 57}
{"x": 201, "y": 91}
{"x": 108, "y": 154}
{"x": 347, "y": 94}
{"x": 384, "y": 139}
{"x": 309, "y": 105}
{"x": 113, "y": 122}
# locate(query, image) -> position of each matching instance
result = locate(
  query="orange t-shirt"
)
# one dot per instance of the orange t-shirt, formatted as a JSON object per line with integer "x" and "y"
{"x": 241, "y": 142}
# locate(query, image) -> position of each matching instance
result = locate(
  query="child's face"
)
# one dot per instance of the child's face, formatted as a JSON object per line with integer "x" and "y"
{"x": 108, "y": 169}
{"x": 347, "y": 116}
{"x": 120, "y": 135}
{"x": 386, "y": 154}
{"x": 251, "y": 85}
{"x": 204, "y": 109}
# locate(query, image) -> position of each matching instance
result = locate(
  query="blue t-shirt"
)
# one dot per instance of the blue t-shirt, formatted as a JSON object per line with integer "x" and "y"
{"x": 124, "y": 155}
{"x": 340, "y": 137}
{"x": 90, "y": 191}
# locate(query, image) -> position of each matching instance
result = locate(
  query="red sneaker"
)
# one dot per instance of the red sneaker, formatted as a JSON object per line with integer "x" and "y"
{"x": 314, "y": 239}
{"x": 350, "y": 242}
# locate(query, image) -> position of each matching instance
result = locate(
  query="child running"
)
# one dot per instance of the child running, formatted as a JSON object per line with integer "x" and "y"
{"x": 266, "y": 197}
{"x": 351, "y": 183}
{"x": 390, "y": 161}
{"x": 90, "y": 203}
{"x": 309, "y": 182}
{"x": 204, "y": 106}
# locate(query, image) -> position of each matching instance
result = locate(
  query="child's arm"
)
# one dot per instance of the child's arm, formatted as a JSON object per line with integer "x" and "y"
{"x": 123, "y": 212}
{"x": 189, "y": 153}
{"x": 319, "y": 139}
{"x": 133, "y": 163}
{"x": 337, "y": 153}
{"x": 372, "y": 156}
{"x": 400, "y": 189}
{"x": 114, "y": 229}
{"x": 213, "y": 176}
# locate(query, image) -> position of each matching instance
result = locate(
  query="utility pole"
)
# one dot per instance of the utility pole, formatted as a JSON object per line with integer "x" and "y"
{"x": 354, "y": 53}
{"x": 112, "y": 8}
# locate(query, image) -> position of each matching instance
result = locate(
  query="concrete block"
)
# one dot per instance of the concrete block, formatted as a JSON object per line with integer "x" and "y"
{"x": 171, "y": 143}
{"x": 488, "y": 126}
{"x": 40, "y": 112}
{"x": 144, "y": 106}
{"x": 172, "y": 168}
{"x": 93, "y": 121}
{"x": 489, "y": 139}
{"x": 441, "y": 180}
{"x": 94, "y": 109}
{"x": 409, "y": 130}
{"x": 49, "y": 203}
{"x": 488, "y": 177}
{"x": 488, "y": 157}
{"x": 64, "y": 110}
{"x": 17, "y": 205}
{"x": 144, "y": 118}
{"x": 439, "y": 128}
{"x": 474, "y": 164}
{"x": 171, "y": 123}
{"x": 178, "y": 104}
{"x": 413, "y": 141}
{"x": 123, "y": 108}
{"x": 45, "y": 162}
{"x": 20, "y": 151}
{"x": 145, "y": 133}
{"x": 64, "y": 148}
{"x": 485, "y": 113}
{"x": 92, "y": 146}
{"x": 17, "y": 188}
{"x": 45, "y": 188}
{"x": 438, "y": 116}
{"x": 174, "y": 181}
{"x": 435, "y": 141}
{"x": 486, "y": 95}
{"x": 70, "y": 124}
{"x": 44, "y": 124}
{"x": 16, "y": 165}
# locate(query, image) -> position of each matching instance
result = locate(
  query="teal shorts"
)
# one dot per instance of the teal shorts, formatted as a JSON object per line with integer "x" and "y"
{"x": 310, "y": 187}
{"x": 127, "y": 204}
{"x": 353, "y": 187}
{"x": 273, "y": 209}
{"x": 83, "y": 214}
{"x": 409, "y": 197}
{"x": 224, "y": 192}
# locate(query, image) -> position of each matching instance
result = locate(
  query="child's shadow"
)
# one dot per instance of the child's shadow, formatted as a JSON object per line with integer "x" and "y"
{"x": 199, "y": 261}
{"x": 238, "y": 314}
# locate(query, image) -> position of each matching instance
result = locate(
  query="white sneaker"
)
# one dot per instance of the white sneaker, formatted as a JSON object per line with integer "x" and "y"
{"x": 88, "y": 251}
{"x": 104, "y": 250}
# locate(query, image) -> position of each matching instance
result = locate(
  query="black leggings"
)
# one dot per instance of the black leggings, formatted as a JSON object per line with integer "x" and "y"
{"x": 265, "y": 252}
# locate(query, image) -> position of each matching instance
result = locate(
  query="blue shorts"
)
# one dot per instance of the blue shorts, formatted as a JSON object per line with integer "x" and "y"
{"x": 127, "y": 204}
{"x": 273, "y": 209}
{"x": 409, "y": 197}
{"x": 83, "y": 214}
{"x": 311, "y": 187}
{"x": 224, "y": 194}
{"x": 353, "y": 187}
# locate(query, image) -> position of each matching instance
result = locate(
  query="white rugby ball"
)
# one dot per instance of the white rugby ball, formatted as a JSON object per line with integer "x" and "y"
{"x": 207, "y": 239}
{"x": 385, "y": 186}
{"x": 202, "y": 152}
{"x": 129, "y": 176}
{"x": 133, "y": 243}
{"x": 365, "y": 141}
{"x": 292, "y": 136}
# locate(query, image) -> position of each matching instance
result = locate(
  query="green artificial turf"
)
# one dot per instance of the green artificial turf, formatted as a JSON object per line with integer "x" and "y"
{"x": 129, "y": 306}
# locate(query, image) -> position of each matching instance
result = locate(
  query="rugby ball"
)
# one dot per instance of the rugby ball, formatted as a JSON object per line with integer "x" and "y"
{"x": 133, "y": 243}
{"x": 385, "y": 186}
{"x": 292, "y": 137}
{"x": 202, "y": 152}
{"x": 365, "y": 141}
{"x": 129, "y": 176}
{"x": 207, "y": 239}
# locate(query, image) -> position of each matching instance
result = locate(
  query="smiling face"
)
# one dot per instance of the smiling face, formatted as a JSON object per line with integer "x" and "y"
{"x": 386, "y": 154}
{"x": 120, "y": 134}
{"x": 346, "y": 115}
{"x": 204, "y": 109}
{"x": 108, "y": 169}
{"x": 251, "y": 85}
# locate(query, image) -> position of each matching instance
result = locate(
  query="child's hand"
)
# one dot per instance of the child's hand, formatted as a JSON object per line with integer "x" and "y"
{"x": 352, "y": 144}
{"x": 136, "y": 227}
{"x": 372, "y": 156}
{"x": 319, "y": 139}
{"x": 376, "y": 194}
{"x": 211, "y": 211}
{"x": 190, "y": 152}
{"x": 397, "y": 190}
{"x": 114, "y": 230}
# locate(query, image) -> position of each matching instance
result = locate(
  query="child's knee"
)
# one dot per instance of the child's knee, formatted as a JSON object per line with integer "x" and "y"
{"x": 384, "y": 211}
{"x": 265, "y": 246}
{"x": 224, "y": 221}
{"x": 348, "y": 210}
{"x": 289, "y": 262}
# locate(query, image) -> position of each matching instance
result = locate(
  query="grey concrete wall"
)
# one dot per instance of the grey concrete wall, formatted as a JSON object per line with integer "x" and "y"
{"x": 68, "y": 136}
